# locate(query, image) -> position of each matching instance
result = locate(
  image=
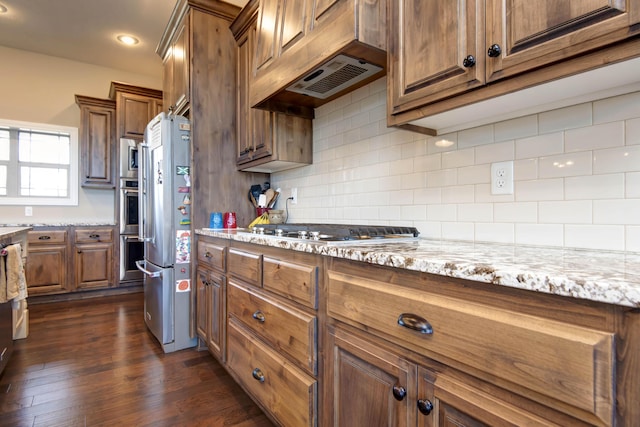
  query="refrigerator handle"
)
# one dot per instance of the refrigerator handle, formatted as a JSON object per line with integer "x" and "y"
{"x": 143, "y": 192}
{"x": 141, "y": 266}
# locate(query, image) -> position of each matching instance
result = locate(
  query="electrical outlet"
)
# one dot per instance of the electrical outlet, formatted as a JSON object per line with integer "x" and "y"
{"x": 502, "y": 178}
{"x": 28, "y": 211}
{"x": 294, "y": 196}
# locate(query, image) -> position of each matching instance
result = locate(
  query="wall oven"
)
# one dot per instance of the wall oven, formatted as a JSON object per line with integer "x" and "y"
{"x": 128, "y": 158}
{"x": 131, "y": 250}
{"x": 129, "y": 206}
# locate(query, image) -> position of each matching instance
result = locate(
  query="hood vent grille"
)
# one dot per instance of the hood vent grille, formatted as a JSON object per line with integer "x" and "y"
{"x": 334, "y": 76}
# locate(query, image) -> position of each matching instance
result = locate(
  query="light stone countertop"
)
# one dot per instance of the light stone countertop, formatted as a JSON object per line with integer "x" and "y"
{"x": 609, "y": 277}
{"x": 9, "y": 232}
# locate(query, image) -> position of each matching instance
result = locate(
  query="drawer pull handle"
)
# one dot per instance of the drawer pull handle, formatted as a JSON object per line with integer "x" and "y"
{"x": 94, "y": 236}
{"x": 259, "y": 316}
{"x": 399, "y": 392}
{"x": 258, "y": 375}
{"x": 44, "y": 238}
{"x": 425, "y": 406}
{"x": 208, "y": 255}
{"x": 415, "y": 322}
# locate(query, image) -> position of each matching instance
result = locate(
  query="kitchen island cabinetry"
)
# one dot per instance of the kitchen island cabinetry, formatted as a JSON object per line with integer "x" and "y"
{"x": 211, "y": 297}
{"x": 93, "y": 257}
{"x": 267, "y": 141}
{"x": 480, "y": 359}
{"x": 97, "y": 142}
{"x": 446, "y": 55}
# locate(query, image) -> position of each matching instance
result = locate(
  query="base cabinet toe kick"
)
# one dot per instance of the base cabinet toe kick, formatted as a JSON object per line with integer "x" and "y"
{"x": 324, "y": 341}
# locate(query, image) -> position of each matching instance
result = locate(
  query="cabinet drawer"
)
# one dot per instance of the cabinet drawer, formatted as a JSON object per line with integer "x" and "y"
{"x": 295, "y": 281}
{"x": 211, "y": 255}
{"x": 47, "y": 236}
{"x": 286, "y": 392}
{"x": 287, "y": 329}
{"x": 571, "y": 364}
{"x": 246, "y": 265}
{"x": 92, "y": 235}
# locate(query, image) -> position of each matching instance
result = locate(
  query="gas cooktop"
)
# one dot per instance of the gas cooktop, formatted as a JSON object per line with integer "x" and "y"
{"x": 338, "y": 233}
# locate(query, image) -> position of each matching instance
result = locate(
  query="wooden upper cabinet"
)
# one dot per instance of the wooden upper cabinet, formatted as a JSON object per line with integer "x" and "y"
{"x": 175, "y": 50}
{"x": 267, "y": 33}
{"x": 436, "y": 50}
{"x": 97, "y": 141}
{"x": 180, "y": 53}
{"x": 535, "y": 33}
{"x": 294, "y": 21}
{"x": 135, "y": 107}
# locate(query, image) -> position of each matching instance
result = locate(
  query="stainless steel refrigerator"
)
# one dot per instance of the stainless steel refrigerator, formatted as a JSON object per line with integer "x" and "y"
{"x": 164, "y": 227}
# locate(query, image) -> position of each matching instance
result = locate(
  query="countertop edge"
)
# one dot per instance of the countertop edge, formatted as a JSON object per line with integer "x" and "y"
{"x": 611, "y": 287}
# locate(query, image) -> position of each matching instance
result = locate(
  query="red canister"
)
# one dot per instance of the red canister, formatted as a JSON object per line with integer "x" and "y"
{"x": 229, "y": 220}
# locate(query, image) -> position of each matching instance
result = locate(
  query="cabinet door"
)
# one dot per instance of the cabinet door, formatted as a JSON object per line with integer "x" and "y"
{"x": 267, "y": 33}
{"x": 93, "y": 264}
{"x": 202, "y": 281}
{"x": 370, "y": 386}
{"x": 180, "y": 52}
{"x": 46, "y": 269}
{"x": 535, "y": 33}
{"x": 135, "y": 113}
{"x": 294, "y": 23}
{"x": 434, "y": 50}
{"x": 245, "y": 112}
{"x": 216, "y": 315}
{"x": 168, "y": 96}
{"x": 97, "y": 146}
{"x": 448, "y": 401}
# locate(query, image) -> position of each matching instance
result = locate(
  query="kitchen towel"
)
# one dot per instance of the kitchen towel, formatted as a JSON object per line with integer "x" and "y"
{"x": 15, "y": 284}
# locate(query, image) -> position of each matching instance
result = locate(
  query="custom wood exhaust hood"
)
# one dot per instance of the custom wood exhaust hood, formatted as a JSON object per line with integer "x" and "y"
{"x": 310, "y": 52}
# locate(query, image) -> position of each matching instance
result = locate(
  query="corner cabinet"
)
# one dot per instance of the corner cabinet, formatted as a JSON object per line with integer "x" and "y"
{"x": 266, "y": 141}
{"x": 444, "y": 55}
{"x": 97, "y": 142}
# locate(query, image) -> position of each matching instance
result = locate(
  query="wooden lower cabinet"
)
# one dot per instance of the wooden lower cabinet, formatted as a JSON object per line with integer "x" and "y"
{"x": 284, "y": 391}
{"x": 46, "y": 268}
{"x": 93, "y": 259}
{"x": 210, "y": 310}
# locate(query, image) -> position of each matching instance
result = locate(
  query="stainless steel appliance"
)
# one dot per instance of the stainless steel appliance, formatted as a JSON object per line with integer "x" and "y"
{"x": 339, "y": 234}
{"x": 129, "y": 158}
{"x": 131, "y": 250}
{"x": 129, "y": 206}
{"x": 165, "y": 208}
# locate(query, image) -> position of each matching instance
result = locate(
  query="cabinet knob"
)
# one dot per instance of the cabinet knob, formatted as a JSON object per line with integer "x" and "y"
{"x": 415, "y": 323}
{"x": 207, "y": 254}
{"x": 425, "y": 406}
{"x": 469, "y": 61}
{"x": 259, "y": 316}
{"x": 494, "y": 51}
{"x": 399, "y": 392}
{"x": 94, "y": 236}
{"x": 258, "y": 375}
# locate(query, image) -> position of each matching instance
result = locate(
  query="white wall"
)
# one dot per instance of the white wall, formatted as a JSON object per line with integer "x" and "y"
{"x": 364, "y": 172}
{"x": 40, "y": 88}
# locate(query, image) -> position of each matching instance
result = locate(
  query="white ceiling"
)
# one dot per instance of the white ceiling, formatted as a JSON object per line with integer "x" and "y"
{"x": 86, "y": 30}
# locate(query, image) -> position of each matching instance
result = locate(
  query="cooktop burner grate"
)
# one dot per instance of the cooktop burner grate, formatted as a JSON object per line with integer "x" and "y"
{"x": 337, "y": 232}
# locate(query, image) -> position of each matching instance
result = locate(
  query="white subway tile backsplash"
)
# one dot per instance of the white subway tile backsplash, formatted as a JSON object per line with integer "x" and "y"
{"x": 476, "y": 136}
{"x": 632, "y": 132}
{"x": 541, "y": 145}
{"x": 632, "y": 184}
{"x": 574, "y": 164}
{"x": 458, "y": 194}
{"x": 561, "y": 212}
{"x": 498, "y": 152}
{"x": 495, "y": 232}
{"x": 540, "y": 234}
{"x": 458, "y": 158}
{"x": 571, "y": 117}
{"x": 632, "y": 238}
{"x": 613, "y": 160}
{"x": 594, "y": 137}
{"x": 594, "y": 187}
{"x": 603, "y": 237}
{"x": 620, "y": 107}
{"x": 576, "y": 173}
{"x": 516, "y": 128}
{"x": 516, "y": 212}
{"x": 475, "y": 212}
{"x": 458, "y": 231}
{"x": 625, "y": 211}
{"x": 542, "y": 189}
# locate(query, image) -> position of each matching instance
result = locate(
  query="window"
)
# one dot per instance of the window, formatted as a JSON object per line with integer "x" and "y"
{"x": 38, "y": 164}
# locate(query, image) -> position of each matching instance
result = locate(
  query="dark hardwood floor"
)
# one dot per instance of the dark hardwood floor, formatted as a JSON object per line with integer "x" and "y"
{"x": 93, "y": 363}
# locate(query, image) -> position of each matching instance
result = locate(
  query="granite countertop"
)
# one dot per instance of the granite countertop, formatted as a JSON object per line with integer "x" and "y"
{"x": 62, "y": 224}
{"x": 609, "y": 277}
{"x": 8, "y": 232}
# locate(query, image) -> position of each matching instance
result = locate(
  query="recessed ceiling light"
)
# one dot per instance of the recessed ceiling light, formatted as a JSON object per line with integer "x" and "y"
{"x": 3, "y": 8}
{"x": 128, "y": 40}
